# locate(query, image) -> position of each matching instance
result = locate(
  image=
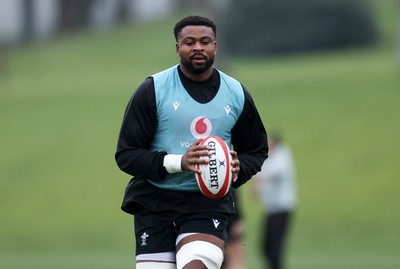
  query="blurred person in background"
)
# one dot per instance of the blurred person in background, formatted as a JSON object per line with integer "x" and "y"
{"x": 275, "y": 186}
{"x": 235, "y": 256}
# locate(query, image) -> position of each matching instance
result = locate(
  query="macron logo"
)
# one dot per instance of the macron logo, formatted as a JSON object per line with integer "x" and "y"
{"x": 216, "y": 223}
{"x": 176, "y": 104}
{"x": 227, "y": 109}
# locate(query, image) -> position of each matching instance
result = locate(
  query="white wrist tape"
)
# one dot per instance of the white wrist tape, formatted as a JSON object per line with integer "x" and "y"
{"x": 172, "y": 163}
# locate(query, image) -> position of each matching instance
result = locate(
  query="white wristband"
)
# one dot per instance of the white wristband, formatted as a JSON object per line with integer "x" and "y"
{"x": 172, "y": 163}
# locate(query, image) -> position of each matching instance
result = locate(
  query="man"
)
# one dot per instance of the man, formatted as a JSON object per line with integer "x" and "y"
{"x": 276, "y": 187}
{"x": 170, "y": 113}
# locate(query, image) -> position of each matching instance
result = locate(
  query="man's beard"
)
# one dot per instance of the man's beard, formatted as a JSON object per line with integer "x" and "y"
{"x": 197, "y": 69}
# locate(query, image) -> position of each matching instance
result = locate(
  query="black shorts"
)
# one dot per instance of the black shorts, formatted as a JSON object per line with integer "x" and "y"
{"x": 157, "y": 231}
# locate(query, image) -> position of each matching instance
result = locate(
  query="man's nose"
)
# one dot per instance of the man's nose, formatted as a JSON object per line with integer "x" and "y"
{"x": 198, "y": 46}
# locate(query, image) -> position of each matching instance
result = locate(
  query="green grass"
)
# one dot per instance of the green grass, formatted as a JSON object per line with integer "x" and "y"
{"x": 61, "y": 105}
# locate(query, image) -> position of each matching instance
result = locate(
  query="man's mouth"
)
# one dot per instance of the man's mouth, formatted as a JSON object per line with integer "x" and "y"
{"x": 198, "y": 58}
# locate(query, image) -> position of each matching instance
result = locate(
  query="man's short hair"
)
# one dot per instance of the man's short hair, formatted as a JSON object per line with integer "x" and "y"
{"x": 194, "y": 20}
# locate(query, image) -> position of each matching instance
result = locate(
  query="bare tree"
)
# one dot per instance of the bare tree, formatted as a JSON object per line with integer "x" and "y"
{"x": 28, "y": 23}
{"x": 74, "y": 13}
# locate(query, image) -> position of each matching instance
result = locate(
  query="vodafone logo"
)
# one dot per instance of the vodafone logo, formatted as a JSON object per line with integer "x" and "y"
{"x": 201, "y": 127}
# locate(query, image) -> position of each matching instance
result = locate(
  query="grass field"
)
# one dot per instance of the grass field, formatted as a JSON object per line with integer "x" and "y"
{"x": 61, "y": 105}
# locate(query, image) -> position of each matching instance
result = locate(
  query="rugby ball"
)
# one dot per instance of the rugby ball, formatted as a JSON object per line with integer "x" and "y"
{"x": 215, "y": 178}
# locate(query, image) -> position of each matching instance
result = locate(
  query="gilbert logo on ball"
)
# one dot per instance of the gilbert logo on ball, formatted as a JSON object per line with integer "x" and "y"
{"x": 215, "y": 178}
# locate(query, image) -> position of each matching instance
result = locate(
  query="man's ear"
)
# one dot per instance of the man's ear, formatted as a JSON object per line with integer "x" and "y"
{"x": 177, "y": 48}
